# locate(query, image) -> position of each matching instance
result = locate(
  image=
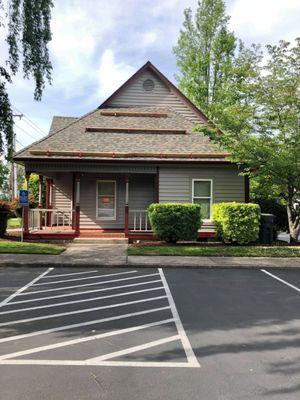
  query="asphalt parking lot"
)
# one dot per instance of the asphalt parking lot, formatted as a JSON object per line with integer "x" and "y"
{"x": 149, "y": 333}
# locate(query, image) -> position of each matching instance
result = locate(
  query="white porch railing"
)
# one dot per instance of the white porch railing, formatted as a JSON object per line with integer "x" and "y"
{"x": 42, "y": 218}
{"x": 138, "y": 221}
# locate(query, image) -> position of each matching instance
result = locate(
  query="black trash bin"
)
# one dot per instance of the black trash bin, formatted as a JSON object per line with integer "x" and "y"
{"x": 266, "y": 229}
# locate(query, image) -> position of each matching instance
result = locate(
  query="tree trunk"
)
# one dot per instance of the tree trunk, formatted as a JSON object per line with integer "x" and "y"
{"x": 294, "y": 223}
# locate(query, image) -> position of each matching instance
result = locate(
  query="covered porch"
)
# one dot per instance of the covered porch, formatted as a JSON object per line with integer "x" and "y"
{"x": 91, "y": 204}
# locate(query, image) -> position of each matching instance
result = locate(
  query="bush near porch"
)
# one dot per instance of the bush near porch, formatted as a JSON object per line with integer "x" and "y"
{"x": 175, "y": 221}
{"x": 237, "y": 222}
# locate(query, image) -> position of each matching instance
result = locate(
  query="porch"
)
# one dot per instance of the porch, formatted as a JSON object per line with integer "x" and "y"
{"x": 100, "y": 201}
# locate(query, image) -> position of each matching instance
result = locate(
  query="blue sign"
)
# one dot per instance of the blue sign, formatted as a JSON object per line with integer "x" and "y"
{"x": 23, "y": 197}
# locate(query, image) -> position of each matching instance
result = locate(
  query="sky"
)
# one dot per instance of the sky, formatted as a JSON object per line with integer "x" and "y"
{"x": 97, "y": 45}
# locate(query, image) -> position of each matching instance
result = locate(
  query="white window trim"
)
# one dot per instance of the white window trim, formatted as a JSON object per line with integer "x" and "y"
{"x": 97, "y": 195}
{"x": 204, "y": 197}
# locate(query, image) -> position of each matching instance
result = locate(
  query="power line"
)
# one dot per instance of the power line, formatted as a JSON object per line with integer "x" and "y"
{"x": 27, "y": 133}
{"x": 21, "y": 144}
{"x": 33, "y": 124}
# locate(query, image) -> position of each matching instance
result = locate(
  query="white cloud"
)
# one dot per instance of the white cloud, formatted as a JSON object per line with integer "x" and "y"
{"x": 256, "y": 19}
{"x": 111, "y": 74}
{"x": 147, "y": 38}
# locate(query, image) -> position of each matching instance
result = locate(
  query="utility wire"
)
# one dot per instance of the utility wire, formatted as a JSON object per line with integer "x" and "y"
{"x": 33, "y": 124}
{"x": 27, "y": 133}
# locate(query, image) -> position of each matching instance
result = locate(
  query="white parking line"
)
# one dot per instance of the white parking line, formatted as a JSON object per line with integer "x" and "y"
{"x": 108, "y": 363}
{"x": 89, "y": 284}
{"x": 129, "y": 350}
{"x": 87, "y": 323}
{"x": 281, "y": 280}
{"x": 184, "y": 339}
{"x": 85, "y": 339}
{"x": 81, "y": 301}
{"x": 86, "y": 277}
{"x": 73, "y": 273}
{"x": 85, "y": 310}
{"x": 18, "y": 292}
{"x": 85, "y": 292}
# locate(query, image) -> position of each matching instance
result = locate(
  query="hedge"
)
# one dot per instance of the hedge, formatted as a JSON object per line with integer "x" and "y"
{"x": 175, "y": 221}
{"x": 237, "y": 222}
{"x": 4, "y": 214}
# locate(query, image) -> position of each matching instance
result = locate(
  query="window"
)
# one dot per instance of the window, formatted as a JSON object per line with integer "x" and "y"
{"x": 106, "y": 200}
{"x": 202, "y": 194}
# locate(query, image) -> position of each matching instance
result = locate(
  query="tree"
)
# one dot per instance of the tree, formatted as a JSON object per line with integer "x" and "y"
{"x": 269, "y": 140}
{"x": 205, "y": 52}
{"x": 28, "y": 23}
{"x": 4, "y": 181}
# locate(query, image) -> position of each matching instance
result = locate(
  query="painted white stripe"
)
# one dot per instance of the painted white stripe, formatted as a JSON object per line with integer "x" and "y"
{"x": 85, "y": 310}
{"x": 90, "y": 284}
{"x": 133, "y": 349}
{"x": 18, "y": 292}
{"x": 281, "y": 280}
{"x": 85, "y": 339}
{"x": 81, "y": 301}
{"x": 73, "y": 273}
{"x": 86, "y": 277}
{"x": 85, "y": 292}
{"x": 136, "y": 364}
{"x": 95, "y": 321}
{"x": 184, "y": 339}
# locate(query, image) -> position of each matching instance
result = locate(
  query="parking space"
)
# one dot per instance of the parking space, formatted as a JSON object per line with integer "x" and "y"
{"x": 150, "y": 333}
{"x": 134, "y": 309}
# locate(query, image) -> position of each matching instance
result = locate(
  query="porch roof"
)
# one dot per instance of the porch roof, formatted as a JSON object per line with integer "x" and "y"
{"x": 135, "y": 133}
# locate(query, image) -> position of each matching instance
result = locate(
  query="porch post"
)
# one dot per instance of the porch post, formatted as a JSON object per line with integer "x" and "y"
{"x": 40, "y": 206}
{"x": 126, "y": 205}
{"x": 77, "y": 203}
{"x": 26, "y": 208}
{"x": 49, "y": 183}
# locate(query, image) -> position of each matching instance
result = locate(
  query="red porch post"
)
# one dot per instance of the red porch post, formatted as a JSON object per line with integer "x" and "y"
{"x": 77, "y": 203}
{"x": 49, "y": 183}
{"x": 40, "y": 206}
{"x": 26, "y": 208}
{"x": 126, "y": 205}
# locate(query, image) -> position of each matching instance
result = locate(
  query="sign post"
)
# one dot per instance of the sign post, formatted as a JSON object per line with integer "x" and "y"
{"x": 23, "y": 201}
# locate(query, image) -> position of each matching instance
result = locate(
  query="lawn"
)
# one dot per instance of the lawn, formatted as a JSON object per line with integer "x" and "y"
{"x": 29, "y": 248}
{"x": 215, "y": 251}
{"x": 14, "y": 223}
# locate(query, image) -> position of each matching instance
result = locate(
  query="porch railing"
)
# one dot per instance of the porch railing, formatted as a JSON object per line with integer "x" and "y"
{"x": 138, "y": 221}
{"x": 42, "y": 218}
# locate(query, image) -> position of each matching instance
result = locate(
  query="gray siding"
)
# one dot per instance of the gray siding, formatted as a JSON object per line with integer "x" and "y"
{"x": 161, "y": 96}
{"x": 175, "y": 183}
{"x": 141, "y": 194}
{"x": 62, "y": 191}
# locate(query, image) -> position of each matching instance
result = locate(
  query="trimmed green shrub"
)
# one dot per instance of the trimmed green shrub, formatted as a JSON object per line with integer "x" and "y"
{"x": 237, "y": 222}
{"x": 4, "y": 214}
{"x": 175, "y": 221}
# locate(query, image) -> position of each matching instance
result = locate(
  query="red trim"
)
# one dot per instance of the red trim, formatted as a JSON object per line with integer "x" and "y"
{"x": 77, "y": 219}
{"x": 115, "y": 160}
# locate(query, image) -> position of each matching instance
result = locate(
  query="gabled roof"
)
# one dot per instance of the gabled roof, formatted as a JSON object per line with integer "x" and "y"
{"x": 59, "y": 122}
{"x": 139, "y": 135}
{"x": 131, "y": 133}
{"x": 165, "y": 80}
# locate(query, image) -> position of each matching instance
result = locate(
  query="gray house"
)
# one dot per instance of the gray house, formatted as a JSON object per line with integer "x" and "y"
{"x": 102, "y": 170}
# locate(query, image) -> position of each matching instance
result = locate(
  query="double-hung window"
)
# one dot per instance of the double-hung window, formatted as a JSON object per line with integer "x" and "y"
{"x": 106, "y": 200}
{"x": 202, "y": 194}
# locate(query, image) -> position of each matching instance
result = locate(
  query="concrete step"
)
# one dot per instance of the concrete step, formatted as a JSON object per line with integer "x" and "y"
{"x": 100, "y": 241}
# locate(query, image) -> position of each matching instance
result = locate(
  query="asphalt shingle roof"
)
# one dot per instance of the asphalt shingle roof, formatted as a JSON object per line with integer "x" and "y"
{"x": 70, "y": 135}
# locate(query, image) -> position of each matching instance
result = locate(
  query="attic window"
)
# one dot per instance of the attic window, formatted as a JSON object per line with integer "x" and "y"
{"x": 148, "y": 85}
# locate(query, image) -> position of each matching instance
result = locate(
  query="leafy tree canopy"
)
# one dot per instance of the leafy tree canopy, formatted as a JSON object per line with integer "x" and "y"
{"x": 28, "y": 25}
